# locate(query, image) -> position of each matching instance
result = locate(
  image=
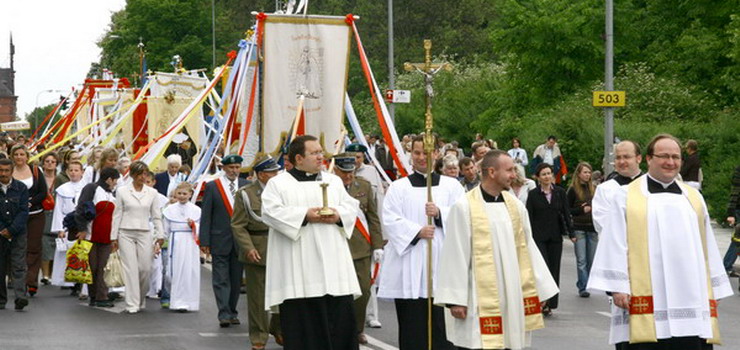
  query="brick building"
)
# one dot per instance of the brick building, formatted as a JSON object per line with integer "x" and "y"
{"x": 8, "y": 99}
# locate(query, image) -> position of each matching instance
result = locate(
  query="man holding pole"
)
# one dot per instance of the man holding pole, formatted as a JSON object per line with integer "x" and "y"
{"x": 405, "y": 271}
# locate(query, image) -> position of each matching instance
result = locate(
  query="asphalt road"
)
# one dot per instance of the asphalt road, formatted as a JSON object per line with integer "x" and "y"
{"x": 56, "y": 321}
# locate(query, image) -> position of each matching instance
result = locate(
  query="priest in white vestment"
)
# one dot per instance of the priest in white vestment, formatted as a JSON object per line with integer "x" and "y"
{"x": 659, "y": 259}
{"x": 404, "y": 273}
{"x": 488, "y": 230}
{"x": 627, "y": 158}
{"x": 311, "y": 277}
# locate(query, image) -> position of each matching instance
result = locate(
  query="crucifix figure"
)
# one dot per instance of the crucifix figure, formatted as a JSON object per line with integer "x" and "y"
{"x": 428, "y": 69}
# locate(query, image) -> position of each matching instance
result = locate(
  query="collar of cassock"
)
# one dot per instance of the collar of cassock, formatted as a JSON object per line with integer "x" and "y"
{"x": 655, "y": 186}
{"x": 490, "y": 198}
{"x": 624, "y": 180}
{"x": 418, "y": 179}
{"x": 301, "y": 175}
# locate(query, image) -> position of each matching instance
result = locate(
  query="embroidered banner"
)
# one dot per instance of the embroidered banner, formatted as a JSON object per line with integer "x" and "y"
{"x": 304, "y": 56}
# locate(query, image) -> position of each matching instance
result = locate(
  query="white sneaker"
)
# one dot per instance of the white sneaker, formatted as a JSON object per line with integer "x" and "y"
{"x": 373, "y": 324}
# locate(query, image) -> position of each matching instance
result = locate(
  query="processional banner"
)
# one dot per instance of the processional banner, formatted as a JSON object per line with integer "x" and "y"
{"x": 304, "y": 56}
{"x": 171, "y": 94}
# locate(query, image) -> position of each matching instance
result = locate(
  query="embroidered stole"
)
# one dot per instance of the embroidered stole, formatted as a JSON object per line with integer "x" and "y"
{"x": 484, "y": 270}
{"x": 641, "y": 310}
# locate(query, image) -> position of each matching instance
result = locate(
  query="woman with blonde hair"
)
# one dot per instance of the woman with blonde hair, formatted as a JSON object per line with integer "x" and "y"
{"x": 579, "y": 196}
{"x": 521, "y": 185}
{"x": 108, "y": 159}
{"x": 139, "y": 206}
{"x": 33, "y": 177}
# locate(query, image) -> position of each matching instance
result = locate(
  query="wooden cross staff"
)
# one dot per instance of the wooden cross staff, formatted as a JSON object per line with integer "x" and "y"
{"x": 428, "y": 69}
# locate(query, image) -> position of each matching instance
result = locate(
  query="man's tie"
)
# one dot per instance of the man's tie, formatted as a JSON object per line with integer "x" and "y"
{"x": 232, "y": 188}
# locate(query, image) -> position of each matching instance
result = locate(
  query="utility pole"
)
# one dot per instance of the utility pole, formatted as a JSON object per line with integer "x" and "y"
{"x": 609, "y": 86}
{"x": 213, "y": 33}
{"x": 391, "y": 73}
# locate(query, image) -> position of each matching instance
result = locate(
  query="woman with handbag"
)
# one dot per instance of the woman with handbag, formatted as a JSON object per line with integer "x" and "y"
{"x": 31, "y": 176}
{"x": 549, "y": 216}
{"x": 138, "y": 204}
{"x": 98, "y": 195}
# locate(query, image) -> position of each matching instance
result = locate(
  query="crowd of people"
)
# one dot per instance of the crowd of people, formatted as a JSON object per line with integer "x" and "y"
{"x": 306, "y": 236}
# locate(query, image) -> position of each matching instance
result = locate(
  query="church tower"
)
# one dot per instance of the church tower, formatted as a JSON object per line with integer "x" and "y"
{"x": 8, "y": 99}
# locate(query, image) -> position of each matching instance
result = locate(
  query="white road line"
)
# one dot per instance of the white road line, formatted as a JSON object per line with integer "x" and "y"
{"x": 149, "y": 335}
{"x": 602, "y": 313}
{"x": 379, "y": 344}
{"x": 213, "y": 335}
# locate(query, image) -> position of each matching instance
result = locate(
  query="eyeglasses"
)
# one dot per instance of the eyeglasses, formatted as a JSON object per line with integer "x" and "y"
{"x": 675, "y": 157}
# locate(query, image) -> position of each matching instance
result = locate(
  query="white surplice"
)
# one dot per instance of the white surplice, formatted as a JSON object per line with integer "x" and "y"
{"x": 182, "y": 274}
{"x": 404, "y": 272}
{"x": 601, "y": 203}
{"x": 677, "y": 265}
{"x": 312, "y": 260}
{"x": 65, "y": 202}
{"x": 456, "y": 280}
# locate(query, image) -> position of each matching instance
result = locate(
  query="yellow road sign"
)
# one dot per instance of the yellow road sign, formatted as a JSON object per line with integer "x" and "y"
{"x": 609, "y": 99}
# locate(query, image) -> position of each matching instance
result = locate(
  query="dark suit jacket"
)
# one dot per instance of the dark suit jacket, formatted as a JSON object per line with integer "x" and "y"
{"x": 14, "y": 208}
{"x": 548, "y": 218}
{"x": 163, "y": 181}
{"x": 215, "y": 222}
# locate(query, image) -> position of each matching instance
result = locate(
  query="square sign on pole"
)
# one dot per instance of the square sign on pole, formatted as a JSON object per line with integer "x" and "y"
{"x": 398, "y": 96}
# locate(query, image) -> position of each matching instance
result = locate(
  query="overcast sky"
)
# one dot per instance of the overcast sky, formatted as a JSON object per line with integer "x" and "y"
{"x": 54, "y": 44}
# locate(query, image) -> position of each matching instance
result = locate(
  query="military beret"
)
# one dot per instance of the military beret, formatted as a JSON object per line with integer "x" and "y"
{"x": 355, "y": 147}
{"x": 231, "y": 159}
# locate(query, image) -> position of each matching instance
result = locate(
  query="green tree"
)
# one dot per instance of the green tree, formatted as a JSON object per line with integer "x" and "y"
{"x": 38, "y": 114}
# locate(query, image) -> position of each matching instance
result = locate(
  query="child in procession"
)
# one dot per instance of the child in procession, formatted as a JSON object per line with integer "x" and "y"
{"x": 182, "y": 275}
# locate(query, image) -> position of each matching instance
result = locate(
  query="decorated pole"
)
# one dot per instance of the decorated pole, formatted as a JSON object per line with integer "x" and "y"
{"x": 428, "y": 69}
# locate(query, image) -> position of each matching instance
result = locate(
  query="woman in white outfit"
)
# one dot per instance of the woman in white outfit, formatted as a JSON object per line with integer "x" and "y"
{"x": 136, "y": 205}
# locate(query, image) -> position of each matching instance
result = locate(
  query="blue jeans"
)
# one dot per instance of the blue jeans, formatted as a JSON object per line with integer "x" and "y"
{"x": 585, "y": 248}
{"x": 730, "y": 256}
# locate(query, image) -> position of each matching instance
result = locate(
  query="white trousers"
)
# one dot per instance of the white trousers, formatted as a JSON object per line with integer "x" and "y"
{"x": 137, "y": 252}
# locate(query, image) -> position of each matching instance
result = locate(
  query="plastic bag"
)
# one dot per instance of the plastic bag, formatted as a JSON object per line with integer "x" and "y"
{"x": 78, "y": 263}
{"x": 113, "y": 271}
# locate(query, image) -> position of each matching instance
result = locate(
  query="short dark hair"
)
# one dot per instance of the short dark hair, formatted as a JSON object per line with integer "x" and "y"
{"x": 517, "y": 140}
{"x": 138, "y": 167}
{"x": 552, "y": 137}
{"x": 692, "y": 145}
{"x": 490, "y": 160}
{"x": 298, "y": 146}
{"x": 651, "y": 145}
{"x": 541, "y": 167}
{"x": 465, "y": 162}
{"x": 76, "y": 162}
{"x": 108, "y": 173}
{"x": 638, "y": 150}
{"x": 420, "y": 138}
{"x": 6, "y": 161}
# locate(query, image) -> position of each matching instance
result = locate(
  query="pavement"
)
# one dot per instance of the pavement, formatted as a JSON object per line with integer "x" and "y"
{"x": 56, "y": 321}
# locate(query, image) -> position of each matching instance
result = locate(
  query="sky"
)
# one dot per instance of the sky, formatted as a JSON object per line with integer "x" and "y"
{"x": 54, "y": 45}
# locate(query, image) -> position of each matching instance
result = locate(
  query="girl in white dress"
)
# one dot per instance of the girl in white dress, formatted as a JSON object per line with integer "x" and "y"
{"x": 182, "y": 277}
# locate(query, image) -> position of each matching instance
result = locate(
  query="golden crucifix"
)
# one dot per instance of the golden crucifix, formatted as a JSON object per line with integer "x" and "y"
{"x": 428, "y": 69}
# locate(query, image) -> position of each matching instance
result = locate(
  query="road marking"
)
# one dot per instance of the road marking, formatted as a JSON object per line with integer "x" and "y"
{"x": 149, "y": 335}
{"x": 213, "y": 335}
{"x": 602, "y": 313}
{"x": 379, "y": 344}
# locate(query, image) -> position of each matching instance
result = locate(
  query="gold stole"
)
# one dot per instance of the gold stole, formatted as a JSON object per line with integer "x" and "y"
{"x": 484, "y": 271}
{"x": 641, "y": 310}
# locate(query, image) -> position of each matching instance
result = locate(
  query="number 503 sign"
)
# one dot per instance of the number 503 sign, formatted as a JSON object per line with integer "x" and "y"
{"x": 609, "y": 99}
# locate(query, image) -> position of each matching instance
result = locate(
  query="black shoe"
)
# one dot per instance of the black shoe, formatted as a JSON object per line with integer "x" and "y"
{"x": 234, "y": 321}
{"x": 32, "y": 291}
{"x": 224, "y": 323}
{"x": 113, "y": 296}
{"x": 584, "y": 294}
{"x": 732, "y": 273}
{"x": 20, "y": 304}
{"x": 45, "y": 281}
{"x": 546, "y": 311}
{"x": 104, "y": 303}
